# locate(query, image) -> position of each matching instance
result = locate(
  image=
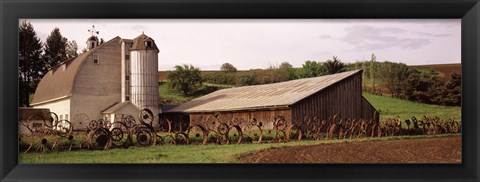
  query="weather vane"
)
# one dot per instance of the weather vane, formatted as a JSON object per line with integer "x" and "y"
{"x": 93, "y": 31}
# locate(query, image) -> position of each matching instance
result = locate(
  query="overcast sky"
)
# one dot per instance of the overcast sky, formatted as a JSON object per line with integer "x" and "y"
{"x": 250, "y": 44}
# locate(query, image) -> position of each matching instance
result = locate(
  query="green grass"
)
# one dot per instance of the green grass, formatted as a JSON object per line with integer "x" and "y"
{"x": 393, "y": 107}
{"x": 210, "y": 153}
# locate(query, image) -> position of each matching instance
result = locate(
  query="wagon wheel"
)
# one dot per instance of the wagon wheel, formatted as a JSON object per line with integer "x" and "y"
{"x": 255, "y": 134}
{"x": 59, "y": 144}
{"x": 294, "y": 132}
{"x": 214, "y": 137}
{"x": 222, "y": 129}
{"x": 166, "y": 140}
{"x": 234, "y": 135}
{"x": 146, "y": 116}
{"x": 280, "y": 135}
{"x": 50, "y": 119}
{"x": 144, "y": 135}
{"x": 119, "y": 135}
{"x": 92, "y": 125}
{"x": 80, "y": 119}
{"x": 43, "y": 146}
{"x": 197, "y": 134}
{"x": 281, "y": 124}
{"x": 129, "y": 121}
{"x": 63, "y": 128}
{"x": 100, "y": 139}
{"x": 181, "y": 138}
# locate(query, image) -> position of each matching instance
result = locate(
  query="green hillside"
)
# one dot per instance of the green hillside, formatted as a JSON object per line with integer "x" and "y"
{"x": 393, "y": 107}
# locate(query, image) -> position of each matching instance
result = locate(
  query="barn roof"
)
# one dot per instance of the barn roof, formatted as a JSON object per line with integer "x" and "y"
{"x": 139, "y": 43}
{"x": 117, "y": 106}
{"x": 274, "y": 95}
{"x": 58, "y": 83}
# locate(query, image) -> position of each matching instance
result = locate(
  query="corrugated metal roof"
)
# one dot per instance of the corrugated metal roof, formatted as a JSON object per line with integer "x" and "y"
{"x": 281, "y": 94}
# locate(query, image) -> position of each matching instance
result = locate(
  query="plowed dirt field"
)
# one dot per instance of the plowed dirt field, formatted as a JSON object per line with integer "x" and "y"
{"x": 426, "y": 150}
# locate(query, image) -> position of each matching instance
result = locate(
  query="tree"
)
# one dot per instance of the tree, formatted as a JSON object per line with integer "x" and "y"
{"x": 30, "y": 66}
{"x": 372, "y": 71}
{"x": 286, "y": 70}
{"x": 334, "y": 66}
{"x": 55, "y": 49}
{"x": 185, "y": 78}
{"x": 311, "y": 69}
{"x": 227, "y": 67}
{"x": 453, "y": 91}
{"x": 364, "y": 69}
{"x": 71, "y": 49}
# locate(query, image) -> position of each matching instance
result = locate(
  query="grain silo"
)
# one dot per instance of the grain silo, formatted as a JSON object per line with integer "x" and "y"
{"x": 144, "y": 73}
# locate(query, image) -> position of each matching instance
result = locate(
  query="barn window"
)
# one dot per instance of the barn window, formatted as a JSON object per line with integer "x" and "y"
{"x": 127, "y": 57}
{"x": 148, "y": 43}
{"x": 95, "y": 59}
{"x": 127, "y": 97}
{"x": 66, "y": 116}
{"x": 127, "y": 77}
{"x": 61, "y": 117}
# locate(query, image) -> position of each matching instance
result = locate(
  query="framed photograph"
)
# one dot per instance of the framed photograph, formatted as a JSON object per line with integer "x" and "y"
{"x": 240, "y": 90}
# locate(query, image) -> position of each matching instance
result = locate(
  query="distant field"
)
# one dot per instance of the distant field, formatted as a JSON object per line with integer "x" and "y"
{"x": 393, "y": 107}
{"x": 444, "y": 70}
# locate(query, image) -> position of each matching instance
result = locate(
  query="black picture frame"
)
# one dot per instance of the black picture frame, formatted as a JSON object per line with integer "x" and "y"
{"x": 466, "y": 10}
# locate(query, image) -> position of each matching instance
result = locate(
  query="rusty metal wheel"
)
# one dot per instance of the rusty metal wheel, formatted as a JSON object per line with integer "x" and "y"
{"x": 119, "y": 134}
{"x": 100, "y": 139}
{"x": 50, "y": 119}
{"x": 197, "y": 134}
{"x": 222, "y": 129}
{"x": 214, "y": 137}
{"x": 166, "y": 140}
{"x": 280, "y": 135}
{"x": 146, "y": 116}
{"x": 294, "y": 132}
{"x": 144, "y": 135}
{"x": 63, "y": 128}
{"x": 234, "y": 135}
{"x": 129, "y": 121}
{"x": 255, "y": 134}
{"x": 181, "y": 138}
{"x": 93, "y": 125}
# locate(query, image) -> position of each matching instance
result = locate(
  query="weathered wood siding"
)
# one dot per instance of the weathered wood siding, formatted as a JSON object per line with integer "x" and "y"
{"x": 265, "y": 117}
{"x": 343, "y": 98}
{"x": 369, "y": 112}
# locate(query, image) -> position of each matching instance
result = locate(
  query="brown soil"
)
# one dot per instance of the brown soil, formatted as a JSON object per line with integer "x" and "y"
{"x": 429, "y": 150}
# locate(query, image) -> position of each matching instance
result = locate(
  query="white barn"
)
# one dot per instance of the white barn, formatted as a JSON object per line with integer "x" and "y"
{"x": 109, "y": 81}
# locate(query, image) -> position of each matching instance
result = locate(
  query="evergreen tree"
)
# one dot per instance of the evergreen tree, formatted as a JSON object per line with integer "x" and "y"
{"x": 30, "y": 68}
{"x": 334, "y": 66}
{"x": 55, "y": 49}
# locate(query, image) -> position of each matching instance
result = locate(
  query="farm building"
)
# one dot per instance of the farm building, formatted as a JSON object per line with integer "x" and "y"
{"x": 111, "y": 80}
{"x": 322, "y": 97}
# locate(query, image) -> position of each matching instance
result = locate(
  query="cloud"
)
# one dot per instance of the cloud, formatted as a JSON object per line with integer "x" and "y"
{"x": 324, "y": 36}
{"x": 365, "y": 37}
{"x": 432, "y": 34}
